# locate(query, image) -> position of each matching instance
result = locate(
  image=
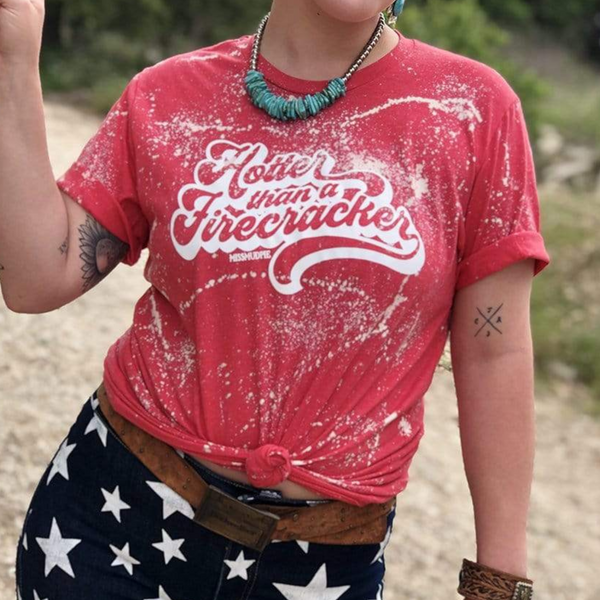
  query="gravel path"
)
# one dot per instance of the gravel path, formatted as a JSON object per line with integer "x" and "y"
{"x": 51, "y": 363}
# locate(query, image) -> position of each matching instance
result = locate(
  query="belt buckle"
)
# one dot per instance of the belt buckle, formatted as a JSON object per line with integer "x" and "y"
{"x": 231, "y": 518}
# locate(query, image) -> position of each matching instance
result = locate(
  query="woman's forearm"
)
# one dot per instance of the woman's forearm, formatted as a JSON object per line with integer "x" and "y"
{"x": 34, "y": 223}
{"x": 497, "y": 429}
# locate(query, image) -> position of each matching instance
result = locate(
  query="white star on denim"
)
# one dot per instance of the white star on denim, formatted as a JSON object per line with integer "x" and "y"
{"x": 316, "y": 590}
{"x": 379, "y": 590}
{"x": 25, "y": 541}
{"x": 94, "y": 401}
{"x": 96, "y": 424}
{"x": 113, "y": 503}
{"x": 172, "y": 501}
{"x": 36, "y": 597}
{"x": 59, "y": 462}
{"x": 382, "y": 546}
{"x": 124, "y": 558}
{"x": 56, "y": 549}
{"x": 170, "y": 547}
{"x": 162, "y": 595}
{"x": 302, "y": 543}
{"x": 19, "y": 597}
{"x": 239, "y": 567}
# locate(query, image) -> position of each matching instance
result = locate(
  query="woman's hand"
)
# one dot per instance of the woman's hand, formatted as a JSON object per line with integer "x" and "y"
{"x": 21, "y": 25}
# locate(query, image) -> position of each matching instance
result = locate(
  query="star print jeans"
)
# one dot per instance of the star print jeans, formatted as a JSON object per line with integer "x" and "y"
{"x": 101, "y": 526}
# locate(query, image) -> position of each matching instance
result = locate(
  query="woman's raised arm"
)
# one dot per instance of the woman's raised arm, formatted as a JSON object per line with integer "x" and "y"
{"x": 51, "y": 249}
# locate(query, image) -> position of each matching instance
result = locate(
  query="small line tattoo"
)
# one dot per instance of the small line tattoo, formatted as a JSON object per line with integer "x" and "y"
{"x": 64, "y": 246}
{"x": 489, "y": 318}
{"x": 101, "y": 252}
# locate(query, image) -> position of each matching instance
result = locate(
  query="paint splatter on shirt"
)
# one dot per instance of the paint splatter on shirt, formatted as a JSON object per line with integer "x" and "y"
{"x": 302, "y": 273}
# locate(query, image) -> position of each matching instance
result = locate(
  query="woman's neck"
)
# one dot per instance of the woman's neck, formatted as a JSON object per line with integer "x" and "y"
{"x": 305, "y": 42}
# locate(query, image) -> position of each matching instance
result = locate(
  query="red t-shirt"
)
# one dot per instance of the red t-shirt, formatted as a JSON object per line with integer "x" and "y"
{"x": 302, "y": 272}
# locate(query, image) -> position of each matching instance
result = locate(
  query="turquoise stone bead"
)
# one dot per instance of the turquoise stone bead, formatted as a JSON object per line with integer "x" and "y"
{"x": 320, "y": 100}
{"x": 261, "y": 101}
{"x": 279, "y": 106}
{"x": 329, "y": 95}
{"x": 253, "y": 75}
{"x": 268, "y": 99}
{"x": 338, "y": 86}
{"x": 289, "y": 110}
{"x": 292, "y": 111}
{"x": 275, "y": 107}
{"x": 258, "y": 95}
{"x": 257, "y": 88}
{"x": 300, "y": 108}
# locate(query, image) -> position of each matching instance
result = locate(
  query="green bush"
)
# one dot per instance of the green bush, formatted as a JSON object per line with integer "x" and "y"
{"x": 462, "y": 26}
{"x": 575, "y": 111}
{"x": 72, "y": 25}
{"x": 102, "y": 95}
{"x": 575, "y": 22}
{"x": 564, "y": 315}
{"x": 514, "y": 12}
{"x": 110, "y": 61}
{"x": 92, "y": 43}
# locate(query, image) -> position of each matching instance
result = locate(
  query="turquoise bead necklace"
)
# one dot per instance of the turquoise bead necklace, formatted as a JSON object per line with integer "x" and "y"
{"x": 310, "y": 104}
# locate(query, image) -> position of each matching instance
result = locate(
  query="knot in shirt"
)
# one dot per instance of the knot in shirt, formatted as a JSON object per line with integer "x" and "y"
{"x": 268, "y": 465}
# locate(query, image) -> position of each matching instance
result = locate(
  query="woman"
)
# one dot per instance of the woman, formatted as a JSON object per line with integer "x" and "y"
{"x": 322, "y": 202}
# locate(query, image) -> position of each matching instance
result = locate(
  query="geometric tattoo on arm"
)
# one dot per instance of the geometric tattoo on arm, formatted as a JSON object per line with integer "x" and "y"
{"x": 64, "y": 246}
{"x": 101, "y": 252}
{"x": 490, "y": 321}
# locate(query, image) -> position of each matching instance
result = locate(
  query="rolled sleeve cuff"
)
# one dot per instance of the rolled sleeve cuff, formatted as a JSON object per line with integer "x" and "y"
{"x": 495, "y": 257}
{"x": 121, "y": 219}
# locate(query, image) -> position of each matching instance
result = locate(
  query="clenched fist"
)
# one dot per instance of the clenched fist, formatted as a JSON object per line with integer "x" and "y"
{"x": 21, "y": 24}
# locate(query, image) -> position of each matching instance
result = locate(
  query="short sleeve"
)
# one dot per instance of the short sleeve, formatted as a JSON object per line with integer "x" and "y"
{"x": 502, "y": 220}
{"x": 103, "y": 179}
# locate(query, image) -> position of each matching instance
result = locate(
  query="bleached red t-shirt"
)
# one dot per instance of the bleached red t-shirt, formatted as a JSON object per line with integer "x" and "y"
{"x": 302, "y": 272}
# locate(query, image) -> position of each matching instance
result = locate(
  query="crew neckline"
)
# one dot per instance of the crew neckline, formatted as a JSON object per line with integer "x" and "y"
{"x": 310, "y": 86}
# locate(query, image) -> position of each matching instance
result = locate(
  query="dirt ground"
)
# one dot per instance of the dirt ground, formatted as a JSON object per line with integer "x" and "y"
{"x": 50, "y": 363}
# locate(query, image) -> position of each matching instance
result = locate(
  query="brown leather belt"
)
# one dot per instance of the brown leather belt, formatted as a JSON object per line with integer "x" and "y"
{"x": 254, "y": 526}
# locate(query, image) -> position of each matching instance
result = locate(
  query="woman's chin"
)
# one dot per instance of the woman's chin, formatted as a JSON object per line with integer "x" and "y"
{"x": 352, "y": 11}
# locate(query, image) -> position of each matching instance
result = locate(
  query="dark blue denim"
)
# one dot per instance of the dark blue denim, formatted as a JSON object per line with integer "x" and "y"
{"x": 101, "y": 526}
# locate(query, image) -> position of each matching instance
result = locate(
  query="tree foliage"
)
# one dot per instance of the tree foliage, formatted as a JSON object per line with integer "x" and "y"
{"x": 576, "y": 22}
{"x": 463, "y": 26}
{"x": 100, "y": 44}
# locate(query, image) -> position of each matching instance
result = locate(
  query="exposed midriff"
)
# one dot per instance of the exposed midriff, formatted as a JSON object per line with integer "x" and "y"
{"x": 288, "y": 489}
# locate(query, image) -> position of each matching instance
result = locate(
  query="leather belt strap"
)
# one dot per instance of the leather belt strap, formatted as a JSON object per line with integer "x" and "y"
{"x": 255, "y": 526}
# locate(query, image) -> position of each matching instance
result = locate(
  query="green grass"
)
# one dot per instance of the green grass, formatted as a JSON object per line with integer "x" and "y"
{"x": 572, "y": 101}
{"x": 565, "y": 312}
{"x": 575, "y": 112}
